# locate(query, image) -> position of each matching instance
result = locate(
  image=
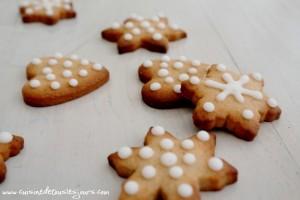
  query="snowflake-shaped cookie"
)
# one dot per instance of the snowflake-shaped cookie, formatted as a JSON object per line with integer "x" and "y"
{"x": 10, "y": 145}
{"x": 57, "y": 79}
{"x": 163, "y": 77}
{"x": 136, "y": 32}
{"x": 46, "y": 11}
{"x": 167, "y": 168}
{"x": 225, "y": 99}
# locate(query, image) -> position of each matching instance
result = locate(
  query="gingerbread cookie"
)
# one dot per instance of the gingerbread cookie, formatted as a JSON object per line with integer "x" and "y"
{"x": 46, "y": 11}
{"x": 163, "y": 77}
{"x": 225, "y": 99}
{"x": 136, "y": 32}
{"x": 57, "y": 79}
{"x": 167, "y": 168}
{"x": 10, "y": 145}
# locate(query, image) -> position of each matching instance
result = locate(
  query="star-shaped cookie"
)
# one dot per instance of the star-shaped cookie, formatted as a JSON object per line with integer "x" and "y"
{"x": 57, "y": 79}
{"x": 10, "y": 145}
{"x": 229, "y": 100}
{"x": 136, "y": 32}
{"x": 168, "y": 168}
{"x": 163, "y": 77}
{"x": 46, "y": 11}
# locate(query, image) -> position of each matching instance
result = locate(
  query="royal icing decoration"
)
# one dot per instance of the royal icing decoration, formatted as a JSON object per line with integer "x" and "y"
{"x": 215, "y": 164}
{"x": 125, "y": 152}
{"x": 248, "y": 114}
{"x": 131, "y": 187}
{"x": 203, "y": 136}
{"x": 155, "y": 86}
{"x": 208, "y": 107}
{"x": 189, "y": 158}
{"x": 187, "y": 144}
{"x": 146, "y": 152}
{"x": 34, "y": 83}
{"x": 166, "y": 144}
{"x": 176, "y": 172}
{"x": 158, "y": 130}
{"x": 234, "y": 88}
{"x": 168, "y": 159}
{"x": 148, "y": 172}
{"x": 185, "y": 190}
{"x": 6, "y": 137}
{"x": 272, "y": 102}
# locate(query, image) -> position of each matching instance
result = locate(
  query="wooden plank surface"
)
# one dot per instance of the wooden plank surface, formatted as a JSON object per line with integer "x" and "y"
{"x": 67, "y": 145}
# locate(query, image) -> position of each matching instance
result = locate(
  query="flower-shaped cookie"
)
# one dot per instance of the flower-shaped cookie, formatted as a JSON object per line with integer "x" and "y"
{"x": 167, "y": 168}
{"x": 228, "y": 100}
{"x": 136, "y": 32}
{"x": 163, "y": 77}
{"x": 46, "y": 11}
{"x": 10, "y": 146}
{"x": 57, "y": 79}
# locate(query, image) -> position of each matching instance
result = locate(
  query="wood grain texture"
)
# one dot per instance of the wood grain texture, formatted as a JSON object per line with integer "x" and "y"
{"x": 67, "y": 145}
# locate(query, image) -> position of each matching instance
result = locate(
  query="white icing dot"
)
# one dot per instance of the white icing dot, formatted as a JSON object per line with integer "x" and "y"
{"x": 161, "y": 25}
{"x": 158, "y": 130}
{"x": 248, "y": 114}
{"x": 146, "y": 152}
{"x": 155, "y": 86}
{"x": 55, "y": 85}
{"x": 182, "y": 58}
{"x": 58, "y": 55}
{"x": 36, "y": 61}
{"x": 145, "y": 24}
{"x": 215, "y": 163}
{"x": 196, "y": 62}
{"x": 208, "y": 106}
{"x": 168, "y": 159}
{"x": 165, "y": 58}
{"x": 68, "y": 64}
{"x": 174, "y": 26}
{"x": 189, "y": 158}
{"x": 97, "y": 67}
{"x": 83, "y": 73}
{"x": 192, "y": 70}
{"x": 163, "y": 72}
{"x": 129, "y": 25}
{"x": 183, "y": 77}
{"x": 221, "y": 67}
{"x": 136, "y": 31}
{"x": 148, "y": 172}
{"x": 257, "y": 76}
{"x": 47, "y": 70}
{"x": 6, "y": 137}
{"x": 178, "y": 65}
{"x": 34, "y": 83}
{"x": 164, "y": 65}
{"x": 128, "y": 36}
{"x": 187, "y": 144}
{"x": 131, "y": 187}
{"x": 203, "y": 135}
{"x": 194, "y": 80}
{"x": 29, "y": 11}
{"x": 166, "y": 144}
{"x": 185, "y": 190}
{"x": 67, "y": 73}
{"x": 50, "y": 77}
{"x": 272, "y": 102}
{"x": 52, "y": 61}
{"x": 49, "y": 12}
{"x": 150, "y": 30}
{"x": 74, "y": 57}
{"x": 116, "y": 25}
{"x": 84, "y": 62}
{"x": 148, "y": 63}
{"x": 73, "y": 82}
{"x": 124, "y": 152}
{"x": 157, "y": 36}
{"x": 169, "y": 79}
{"x": 177, "y": 88}
{"x": 175, "y": 172}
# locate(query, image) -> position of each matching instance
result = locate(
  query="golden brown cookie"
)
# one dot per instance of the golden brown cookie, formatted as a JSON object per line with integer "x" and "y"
{"x": 10, "y": 145}
{"x": 168, "y": 168}
{"x": 163, "y": 77}
{"x": 46, "y": 11}
{"x": 136, "y": 32}
{"x": 228, "y": 100}
{"x": 58, "y": 79}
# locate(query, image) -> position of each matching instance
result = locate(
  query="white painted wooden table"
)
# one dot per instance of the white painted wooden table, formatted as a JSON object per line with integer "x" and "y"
{"x": 67, "y": 145}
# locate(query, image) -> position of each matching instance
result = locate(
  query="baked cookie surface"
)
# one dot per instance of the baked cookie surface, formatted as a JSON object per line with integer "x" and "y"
{"x": 168, "y": 168}
{"x": 58, "y": 79}
{"x": 232, "y": 101}
{"x": 136, "y": 32}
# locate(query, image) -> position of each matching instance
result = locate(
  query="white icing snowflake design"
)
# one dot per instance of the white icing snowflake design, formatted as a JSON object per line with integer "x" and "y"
{"x": 234, "y": 88}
